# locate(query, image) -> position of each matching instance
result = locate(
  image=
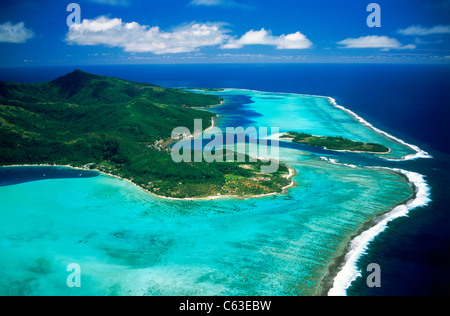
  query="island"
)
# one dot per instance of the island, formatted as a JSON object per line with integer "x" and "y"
{"x": 207, "y": 89}
{"x": 121, "y": 128}
{"x": 335, "y": 143}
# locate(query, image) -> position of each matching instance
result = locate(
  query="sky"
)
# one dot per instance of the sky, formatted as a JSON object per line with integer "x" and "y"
{"x": 43, "y": 33}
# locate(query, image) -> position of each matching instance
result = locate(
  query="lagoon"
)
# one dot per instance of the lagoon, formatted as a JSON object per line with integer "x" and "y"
{"x": 128, "y": 242}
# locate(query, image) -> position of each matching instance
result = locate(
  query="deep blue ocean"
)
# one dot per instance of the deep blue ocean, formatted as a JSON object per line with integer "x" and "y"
{"x": 411, "y": 102}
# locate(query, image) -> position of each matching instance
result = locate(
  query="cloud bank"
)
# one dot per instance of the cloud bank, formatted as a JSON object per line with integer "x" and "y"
{"x": 136, "y": 38}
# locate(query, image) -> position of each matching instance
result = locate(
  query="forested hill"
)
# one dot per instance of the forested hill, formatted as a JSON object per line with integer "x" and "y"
{"x": 82, "y": 88}
{"x": 68, "y": 118}
{"x": 111, "y": 125}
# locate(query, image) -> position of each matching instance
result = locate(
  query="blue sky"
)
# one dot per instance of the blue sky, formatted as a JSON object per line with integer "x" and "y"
{"x": 223, "y": 31}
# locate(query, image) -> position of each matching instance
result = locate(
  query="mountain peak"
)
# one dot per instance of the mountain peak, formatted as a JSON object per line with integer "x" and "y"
{"x": 76, "y": 75}
{"x": 74, "y": 82}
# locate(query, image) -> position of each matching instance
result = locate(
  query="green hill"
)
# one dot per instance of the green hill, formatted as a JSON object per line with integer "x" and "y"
{"x": 336, "y": 143}
{"x": 112, "y": 125}
{"x": 82, "y": 88}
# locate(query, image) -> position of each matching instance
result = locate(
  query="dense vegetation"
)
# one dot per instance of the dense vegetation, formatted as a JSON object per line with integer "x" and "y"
{"x": 116, "y": 126}
{"x": 336, "y": 143}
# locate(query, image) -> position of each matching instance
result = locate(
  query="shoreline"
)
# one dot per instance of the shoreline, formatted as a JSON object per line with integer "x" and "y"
{"x": 291, "y": 140}
{"x": 291, "y": 174}
{"x": 209, "y": 106}
{"x": 359, "y": 152}
{"x": 419, "y": 152}
{"x": 343, "y": 269}
{"x": 195, "y": 135}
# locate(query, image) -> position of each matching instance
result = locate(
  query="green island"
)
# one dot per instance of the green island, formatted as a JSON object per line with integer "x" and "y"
{"x": 335, "y": 143}
{"x": 207, "y": 89}
{"x": 120, "y": 128}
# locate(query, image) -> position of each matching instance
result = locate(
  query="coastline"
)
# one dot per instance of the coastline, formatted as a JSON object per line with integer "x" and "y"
{"x": 291, "y": 140}
{"x": 195, "y": 135}
{"x": 291, "y": 174}
{"x": 343, "y": 270}
{"x": 342, "y": 264}
{"x": 210, "y": 106}
{"x": 419, "y": 152}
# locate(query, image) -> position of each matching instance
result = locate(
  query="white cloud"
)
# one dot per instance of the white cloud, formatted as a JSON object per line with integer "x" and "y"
{"x": 15, "y": 33}
{"x": 382, "y": 42}
{"x": 136, "y": 38}
{"x": 417, "y": 30}
{"x": 264, "y": 37}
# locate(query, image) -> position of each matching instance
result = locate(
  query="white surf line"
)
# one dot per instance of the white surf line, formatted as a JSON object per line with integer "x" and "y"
{"x": 419, "y": 152}
{"x": 334, "y": 161}
{"x": 359, "y": 245}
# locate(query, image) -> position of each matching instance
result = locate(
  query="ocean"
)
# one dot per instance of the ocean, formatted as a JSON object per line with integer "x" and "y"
{"x": 410, "y": 102}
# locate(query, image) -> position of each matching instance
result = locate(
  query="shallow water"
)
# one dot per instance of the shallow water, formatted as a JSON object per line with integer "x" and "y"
{"x": 302, "y": 113}
{"x": 128, "y": 242}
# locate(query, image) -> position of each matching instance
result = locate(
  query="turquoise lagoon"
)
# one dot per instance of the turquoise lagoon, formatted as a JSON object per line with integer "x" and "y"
{"x": 128, "y": 242}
